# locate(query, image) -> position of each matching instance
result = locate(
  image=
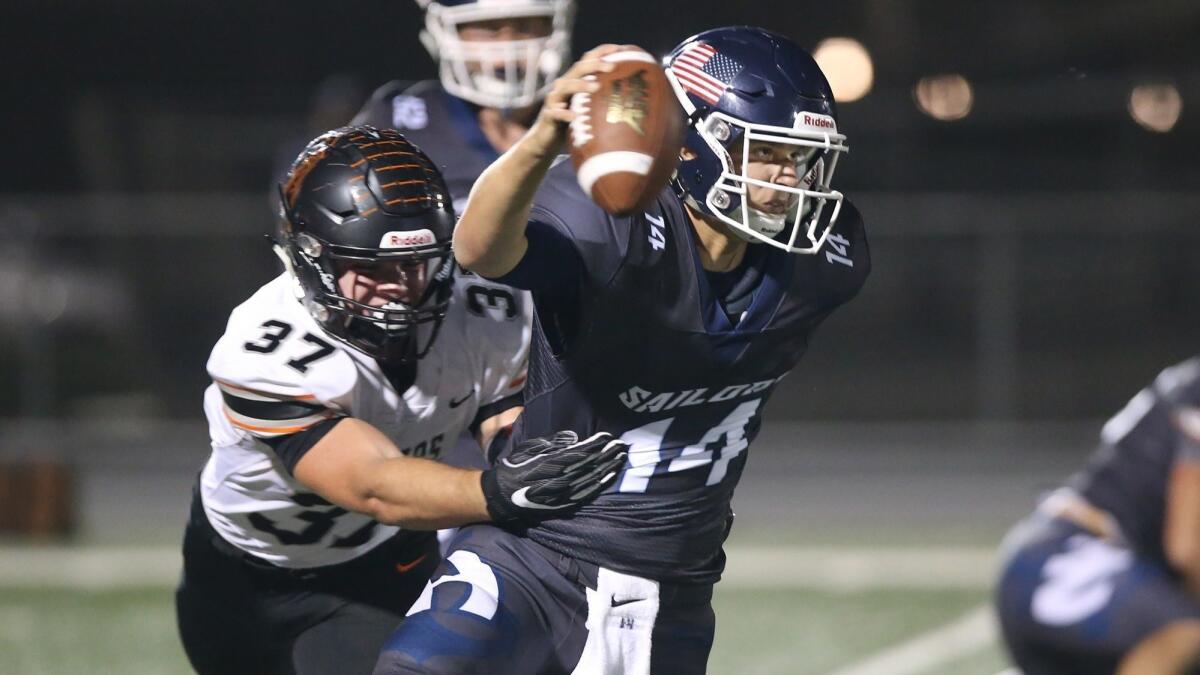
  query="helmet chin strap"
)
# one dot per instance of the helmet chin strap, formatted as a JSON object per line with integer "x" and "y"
{"x": 760, "y": 222}
{"x": 494, "y": 86}
{"x": 282, "y": 254}
{"x": 768, "y": 224}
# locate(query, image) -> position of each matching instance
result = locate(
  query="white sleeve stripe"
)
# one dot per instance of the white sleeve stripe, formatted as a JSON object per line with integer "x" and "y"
{"x": 254, "y": 395}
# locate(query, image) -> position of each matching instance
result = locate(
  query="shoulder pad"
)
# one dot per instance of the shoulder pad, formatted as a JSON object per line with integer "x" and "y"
{"x": 491, "y": 300}
{"x": 499, "y": 326}
{"x": 381, "y": 109}
{"x": 1180, "y": 383}
{"x": 273, "y": 349}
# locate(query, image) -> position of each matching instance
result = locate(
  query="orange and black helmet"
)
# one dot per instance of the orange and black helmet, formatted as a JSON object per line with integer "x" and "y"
{"x": 367, "y": 200}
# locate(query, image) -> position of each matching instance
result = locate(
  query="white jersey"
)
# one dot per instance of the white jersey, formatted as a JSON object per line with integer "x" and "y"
{"x": 276, "y": 372}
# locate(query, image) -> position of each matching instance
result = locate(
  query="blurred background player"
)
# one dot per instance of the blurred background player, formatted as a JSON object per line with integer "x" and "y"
{"x": 496, "y": 61}
{"x": 669, "y": 328}
{"x": 333, "y": 387}
{"x": 1105, "y": 576}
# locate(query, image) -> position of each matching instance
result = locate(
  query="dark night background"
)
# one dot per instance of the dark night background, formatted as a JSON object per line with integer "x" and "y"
{"x": 1034, "y": 265}
{"x": 1032, "y": 261}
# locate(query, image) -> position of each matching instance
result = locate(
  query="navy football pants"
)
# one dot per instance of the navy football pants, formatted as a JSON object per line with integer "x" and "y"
{"x": 501, "y": 604}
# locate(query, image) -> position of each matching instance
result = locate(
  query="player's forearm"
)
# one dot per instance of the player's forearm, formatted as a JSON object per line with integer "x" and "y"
{"x": 1183, "y": 554}
{"x": 423, "y": 495}
{"x": 490, "y": 237}
{"x": 1181, "y": 523}
{"x": 1187, "y": 564}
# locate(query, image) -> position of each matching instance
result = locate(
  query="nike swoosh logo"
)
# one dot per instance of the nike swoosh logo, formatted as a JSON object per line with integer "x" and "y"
{"x": 404, "y": 567}
{"x": 455, "y": 404}
{"x": 626, "y": 601}
{"x": 522, "y": 501}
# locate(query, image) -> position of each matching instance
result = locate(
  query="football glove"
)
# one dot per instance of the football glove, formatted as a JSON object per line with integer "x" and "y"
{"x": 551, "y": 477}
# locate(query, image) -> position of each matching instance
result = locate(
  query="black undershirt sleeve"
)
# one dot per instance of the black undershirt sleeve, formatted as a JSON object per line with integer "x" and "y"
{"x": 292, "y": 447}
{"x": 495, "y": 408}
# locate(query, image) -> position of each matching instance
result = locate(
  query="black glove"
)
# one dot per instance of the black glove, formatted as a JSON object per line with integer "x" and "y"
{"x": 551, "y": 477}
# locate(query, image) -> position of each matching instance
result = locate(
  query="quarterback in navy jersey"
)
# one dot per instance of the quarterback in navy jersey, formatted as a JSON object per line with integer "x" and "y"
{"x": 1105, "y": 576}
{"x": 496, "y": 61}
{"x": 669, "y": 329}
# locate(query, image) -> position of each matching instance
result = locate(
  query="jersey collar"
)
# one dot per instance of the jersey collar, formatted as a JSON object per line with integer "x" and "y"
{"x": 464, "y": 120}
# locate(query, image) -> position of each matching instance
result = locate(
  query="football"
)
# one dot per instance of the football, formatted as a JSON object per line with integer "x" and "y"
{"x": 626, "y": 137}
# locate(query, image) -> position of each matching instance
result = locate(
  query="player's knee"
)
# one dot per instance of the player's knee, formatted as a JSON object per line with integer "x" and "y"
{"x": 1173, "y": 649}
{"x": 398, "y": 663}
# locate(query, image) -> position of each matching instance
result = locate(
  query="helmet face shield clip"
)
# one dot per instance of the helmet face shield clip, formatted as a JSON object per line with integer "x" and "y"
{"x": 309, "y": 246}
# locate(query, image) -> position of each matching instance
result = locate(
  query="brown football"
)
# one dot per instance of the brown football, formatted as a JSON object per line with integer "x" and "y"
{"x": 626, "y": 137}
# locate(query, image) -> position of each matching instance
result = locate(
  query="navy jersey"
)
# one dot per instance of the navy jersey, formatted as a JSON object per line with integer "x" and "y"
{"x": 635, "y": 343}
{"x": 1128, "y": 474}
{"x": 443, "y": 126}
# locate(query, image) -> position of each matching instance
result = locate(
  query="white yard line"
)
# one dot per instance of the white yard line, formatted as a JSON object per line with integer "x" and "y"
{"x": 859, "y": 569}
{"x": 89, "y": 567}
{"x": 945, "y": 644}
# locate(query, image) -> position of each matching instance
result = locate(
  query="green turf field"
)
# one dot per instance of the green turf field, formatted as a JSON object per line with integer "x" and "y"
{"x": 805, "y": 631}
{"x": 792, "y": 631}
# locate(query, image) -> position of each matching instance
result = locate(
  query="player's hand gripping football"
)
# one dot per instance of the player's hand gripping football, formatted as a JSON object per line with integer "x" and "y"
{"x": 551, "y": 477}
{"x": 549, "y": 131}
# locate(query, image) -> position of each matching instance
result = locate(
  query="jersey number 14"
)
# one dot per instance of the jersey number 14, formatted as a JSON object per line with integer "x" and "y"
{"x": 719, "y": 446}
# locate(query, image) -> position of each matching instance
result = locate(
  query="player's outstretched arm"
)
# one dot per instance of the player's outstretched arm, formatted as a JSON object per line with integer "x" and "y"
{"x": 356, "y": 467}
{"x": 490, "y": 237}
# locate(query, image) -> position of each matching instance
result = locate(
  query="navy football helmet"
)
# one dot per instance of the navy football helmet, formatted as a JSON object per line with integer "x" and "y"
{"x": 739, "y": 85}
{"x": 497, "y": 73}
{"x": 365, "y": 200}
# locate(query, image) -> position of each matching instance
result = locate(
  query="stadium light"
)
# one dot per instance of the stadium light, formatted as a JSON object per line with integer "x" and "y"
{"x": 944, "y": 97}
{"x": 847, "y": 65}
{"x": 1156, "y": 107}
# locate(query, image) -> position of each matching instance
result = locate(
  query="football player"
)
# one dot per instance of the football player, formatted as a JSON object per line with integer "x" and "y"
{"x": 496, "y": 61}
{"x": 1104, "y": 577}
{"x": 670, "y": 329}
{"x": 334, "y": 387}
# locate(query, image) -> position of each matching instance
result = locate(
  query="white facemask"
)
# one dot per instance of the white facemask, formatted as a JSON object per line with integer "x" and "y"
{"x": 498, "y": 74}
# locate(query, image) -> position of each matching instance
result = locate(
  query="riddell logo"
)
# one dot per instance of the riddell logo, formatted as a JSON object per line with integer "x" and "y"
{"x": 813, "y": 121}
{"x": 640, "y": 400}
{"x": 406, "y": 239}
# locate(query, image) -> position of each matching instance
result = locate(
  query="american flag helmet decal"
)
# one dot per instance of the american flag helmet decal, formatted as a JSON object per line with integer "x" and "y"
{"x": 704, "y": 72}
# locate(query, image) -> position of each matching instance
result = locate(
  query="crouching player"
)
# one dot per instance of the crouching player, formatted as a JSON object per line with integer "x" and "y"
{"x": 1105, "y": 576}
